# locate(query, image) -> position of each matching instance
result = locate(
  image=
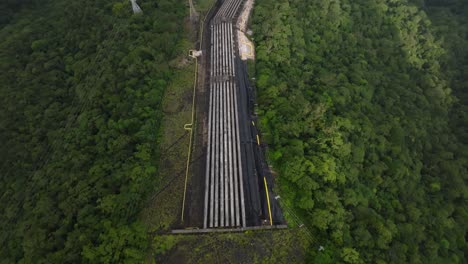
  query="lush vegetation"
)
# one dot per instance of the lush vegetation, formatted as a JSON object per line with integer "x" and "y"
{"x": 450, "y": 22}
{"x": 9, "y": 7}
{"x": 267, "y": 246}
{"x": 81, "y": 84}
{"x": 363, "y": 104}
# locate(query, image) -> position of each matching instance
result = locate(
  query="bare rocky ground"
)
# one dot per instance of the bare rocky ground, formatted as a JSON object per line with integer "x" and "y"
{"x": 246, "y": 47}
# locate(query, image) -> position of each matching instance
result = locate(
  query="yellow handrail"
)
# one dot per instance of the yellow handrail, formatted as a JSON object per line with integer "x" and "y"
{"x": 268, "y": 199}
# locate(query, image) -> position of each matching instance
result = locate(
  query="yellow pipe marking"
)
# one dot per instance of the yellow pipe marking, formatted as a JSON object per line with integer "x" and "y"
{"x": 190, "y": 126}
{"x": 268, "y": 199}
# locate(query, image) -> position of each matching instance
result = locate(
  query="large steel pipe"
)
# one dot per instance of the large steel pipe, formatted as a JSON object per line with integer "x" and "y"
{"x": 224, "y": 196}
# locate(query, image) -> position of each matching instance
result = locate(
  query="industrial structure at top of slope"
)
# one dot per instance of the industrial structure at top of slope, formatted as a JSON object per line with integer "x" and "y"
{"x": 135, "y": 7}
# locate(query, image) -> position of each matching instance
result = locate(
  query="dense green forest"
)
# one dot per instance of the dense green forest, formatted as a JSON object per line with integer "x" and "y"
{"x": 81, "y": 84}
{"x": 450, "y": 23}
{"x": 364, "y": 106}
{"x": 9, "y": 7}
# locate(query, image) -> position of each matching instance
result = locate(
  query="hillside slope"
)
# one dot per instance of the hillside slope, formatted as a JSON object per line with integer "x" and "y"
{"x": 357, "y": 110}
{"x": 81, "y": 85}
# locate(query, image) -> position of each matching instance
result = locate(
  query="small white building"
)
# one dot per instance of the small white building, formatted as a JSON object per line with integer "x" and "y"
{"x": 136, "y": 8}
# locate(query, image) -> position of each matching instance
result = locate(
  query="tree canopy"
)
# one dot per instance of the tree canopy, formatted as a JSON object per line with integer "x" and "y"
{"x": 81, "y": 84}
{"x": 365, "y": 116}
